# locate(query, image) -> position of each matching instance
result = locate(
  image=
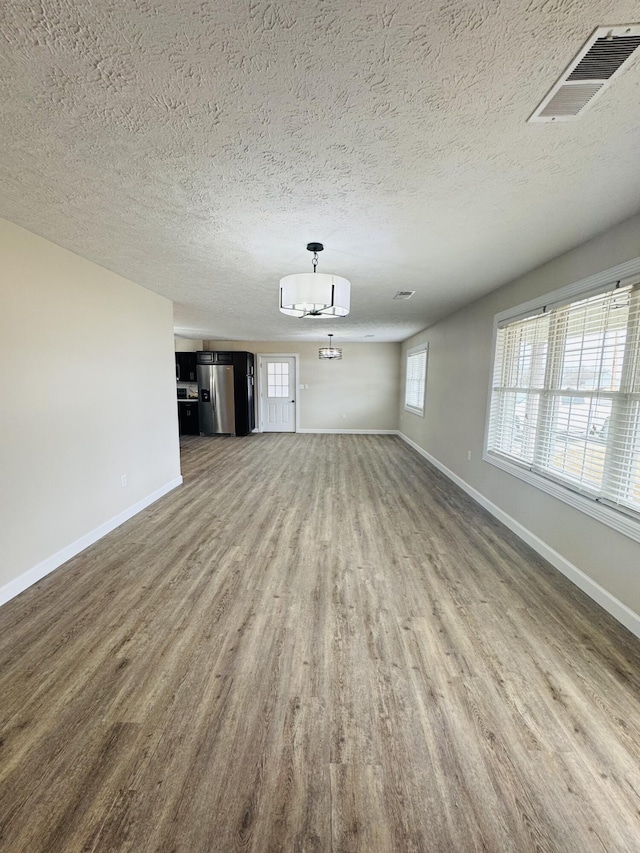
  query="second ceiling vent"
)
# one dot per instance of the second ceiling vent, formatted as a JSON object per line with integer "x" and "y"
{"x": 604, "y": 55}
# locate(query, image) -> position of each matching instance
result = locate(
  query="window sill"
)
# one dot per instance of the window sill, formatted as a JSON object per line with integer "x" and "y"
{"x": 419, "y": 412}
{"x": 618, "y": 520}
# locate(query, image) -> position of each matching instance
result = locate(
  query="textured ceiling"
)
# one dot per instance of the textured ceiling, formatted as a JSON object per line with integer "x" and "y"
{"x": 196, "y": 147}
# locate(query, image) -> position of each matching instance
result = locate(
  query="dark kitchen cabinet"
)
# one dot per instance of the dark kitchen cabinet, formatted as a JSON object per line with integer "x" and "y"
{"x": 188, "y": 422}
{"x": 186, "y": 367}
{"x": 244, "y": 381}
{"x": 214, "y": 357}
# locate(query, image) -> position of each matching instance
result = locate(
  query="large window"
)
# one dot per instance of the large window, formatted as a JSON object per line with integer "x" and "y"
{"x": 565, "y": 399}
{"x": 416, "y": 379}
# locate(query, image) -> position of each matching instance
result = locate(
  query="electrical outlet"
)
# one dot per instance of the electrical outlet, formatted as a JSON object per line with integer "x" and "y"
{"x": 468, "y": 455}
{"x": 344, "y": 416}
{"x": 123, "y": 480}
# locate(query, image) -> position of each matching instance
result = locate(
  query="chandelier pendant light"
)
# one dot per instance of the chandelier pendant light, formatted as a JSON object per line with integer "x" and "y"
{"x": 315, "y": 294}
{"x": 330, "y": 351}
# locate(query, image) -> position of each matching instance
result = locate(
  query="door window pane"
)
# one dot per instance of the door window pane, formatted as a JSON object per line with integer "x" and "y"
{"x": 278, "y": 379}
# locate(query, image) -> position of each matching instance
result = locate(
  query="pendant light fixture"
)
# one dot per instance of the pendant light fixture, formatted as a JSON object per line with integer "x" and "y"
{"x": 315, "y": 294}
{"x": 330, "y": 351}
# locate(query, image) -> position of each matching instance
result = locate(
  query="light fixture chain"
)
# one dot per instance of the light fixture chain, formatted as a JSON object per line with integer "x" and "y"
{"x": 315, "y": 261}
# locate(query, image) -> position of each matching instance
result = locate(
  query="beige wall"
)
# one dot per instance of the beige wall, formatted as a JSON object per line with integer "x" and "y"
{"x": 88, "y": 394}
{"x": 359, "y": 392}
{"x": 456, "y": 408}
{"x": 186, "y": 344}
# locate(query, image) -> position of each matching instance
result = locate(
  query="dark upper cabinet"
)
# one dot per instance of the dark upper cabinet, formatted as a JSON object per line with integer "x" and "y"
{"x": 244, "y": 361}
{"x": 186, "y": 367}
{"x": 214, "y": 357}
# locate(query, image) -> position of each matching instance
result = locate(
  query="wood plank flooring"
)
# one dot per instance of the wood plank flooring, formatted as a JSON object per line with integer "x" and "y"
{"x": 318, "y": 643}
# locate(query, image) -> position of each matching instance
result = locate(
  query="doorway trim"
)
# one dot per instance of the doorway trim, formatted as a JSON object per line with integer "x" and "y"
{"x": 296, "y": 372}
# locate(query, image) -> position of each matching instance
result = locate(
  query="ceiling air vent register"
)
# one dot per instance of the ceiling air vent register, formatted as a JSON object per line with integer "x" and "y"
{"x": 404, "y": 294}
{"x": 604, "y": 55}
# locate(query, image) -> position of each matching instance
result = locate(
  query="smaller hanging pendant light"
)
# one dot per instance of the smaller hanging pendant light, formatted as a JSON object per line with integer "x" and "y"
{"x": 330, "y": 351}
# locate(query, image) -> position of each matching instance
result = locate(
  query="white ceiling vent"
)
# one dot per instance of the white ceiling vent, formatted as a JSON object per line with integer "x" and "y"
{"x": 404, "y": 294}
{"x": 604, "y": 55}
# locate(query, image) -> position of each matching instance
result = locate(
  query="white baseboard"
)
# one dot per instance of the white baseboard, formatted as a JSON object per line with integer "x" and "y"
{"x": 629, "y": 618}
{"x": 351, "y": 431}
{"x": 33, "y": 575}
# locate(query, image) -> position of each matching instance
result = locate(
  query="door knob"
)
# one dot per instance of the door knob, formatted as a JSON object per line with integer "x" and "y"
{"x": 293, "y": 401}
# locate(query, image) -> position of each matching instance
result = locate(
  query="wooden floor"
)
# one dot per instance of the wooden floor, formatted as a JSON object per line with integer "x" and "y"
{"x": 316, "y": 644}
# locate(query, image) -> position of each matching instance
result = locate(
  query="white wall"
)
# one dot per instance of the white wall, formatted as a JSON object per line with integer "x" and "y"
{"x": 456, "y": 407}
{"x": 363, "y": 386}
{"x": 87, "y": 383}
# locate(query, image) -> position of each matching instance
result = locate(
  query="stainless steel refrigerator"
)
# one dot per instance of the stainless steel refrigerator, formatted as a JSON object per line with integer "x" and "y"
{"x": 216, "y": 399}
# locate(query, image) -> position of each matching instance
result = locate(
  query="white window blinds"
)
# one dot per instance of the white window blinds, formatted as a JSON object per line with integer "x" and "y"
{"x": 565, "y": 399}
{"x": 416, "y": 379}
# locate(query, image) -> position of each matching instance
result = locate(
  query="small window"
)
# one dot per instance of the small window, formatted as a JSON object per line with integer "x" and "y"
{"x": 416, "y": 379}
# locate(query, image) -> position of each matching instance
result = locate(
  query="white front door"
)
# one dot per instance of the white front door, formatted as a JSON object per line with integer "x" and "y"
{"x": 277, "y": 393}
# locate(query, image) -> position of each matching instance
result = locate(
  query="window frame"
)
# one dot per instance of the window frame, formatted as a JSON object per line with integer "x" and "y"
{"x": 625, "y": 521}
{"x": 412, "y": 351}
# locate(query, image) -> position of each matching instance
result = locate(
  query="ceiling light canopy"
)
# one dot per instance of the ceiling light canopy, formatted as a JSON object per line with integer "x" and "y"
{"x": 330, "y": 351}
{"x": 314, "y": 294}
